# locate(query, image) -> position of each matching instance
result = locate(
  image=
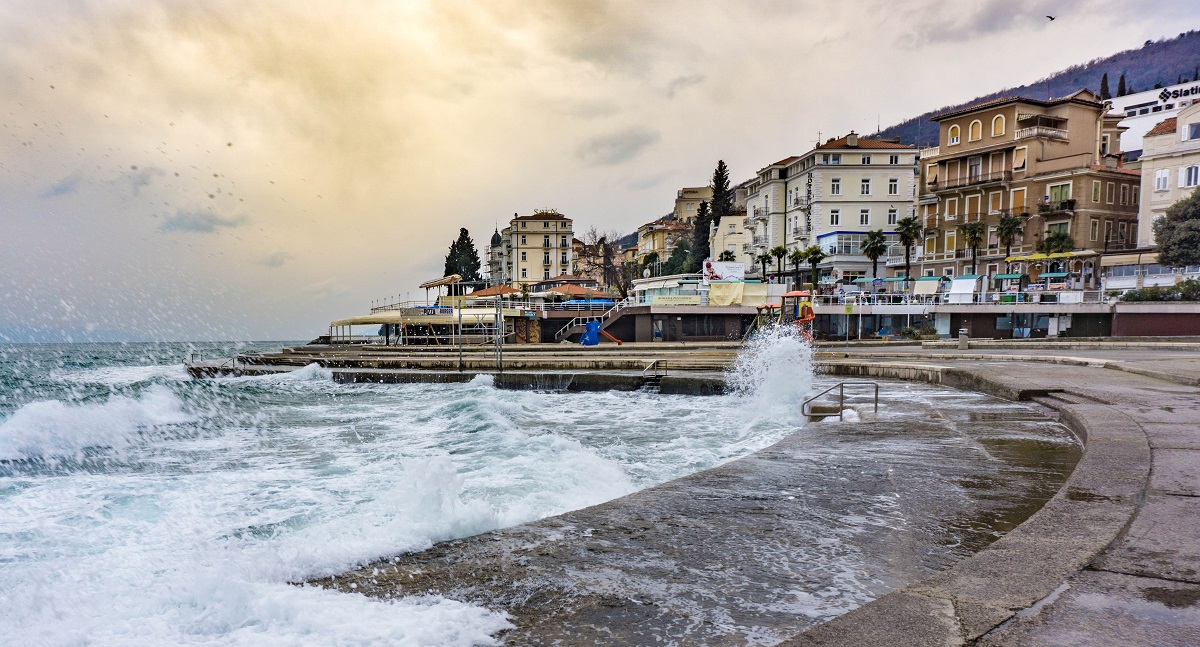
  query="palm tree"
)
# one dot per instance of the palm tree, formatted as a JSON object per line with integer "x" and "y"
{"x": 763, "y": 259}
{"x": 1007, "y": 230}
{"x": 909, "y": 230}
{"x": 972, "y": 238}
{"x": 726, "y": 257}
{"x": 1057, "y": 241}
{"x": 779, "y": 252}
{"x": 814, "y": 255}
{"x": 874, "y": 246}
{"x": 796, "y": 256}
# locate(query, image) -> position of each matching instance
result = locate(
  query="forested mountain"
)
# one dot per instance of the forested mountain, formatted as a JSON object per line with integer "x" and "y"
{"x": 1155, "y": 64}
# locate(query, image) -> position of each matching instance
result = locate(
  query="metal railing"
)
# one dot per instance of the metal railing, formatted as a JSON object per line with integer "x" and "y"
{"x": 806, "y": 408}
{"x": 605, "y": 316}
{"x": 655, "y": 365}
{"x": 1041, "y": 131}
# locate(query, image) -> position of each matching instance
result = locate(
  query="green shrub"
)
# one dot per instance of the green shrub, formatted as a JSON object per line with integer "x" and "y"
{"x": 1188, "y": 290}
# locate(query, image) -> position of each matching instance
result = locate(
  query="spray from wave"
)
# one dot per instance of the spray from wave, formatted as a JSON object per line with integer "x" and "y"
{"x": 773, "y": 370}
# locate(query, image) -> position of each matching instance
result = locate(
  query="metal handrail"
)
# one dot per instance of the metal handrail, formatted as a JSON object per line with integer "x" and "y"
{"x": 805, "y": 410}
{"x": 654, "y": 364}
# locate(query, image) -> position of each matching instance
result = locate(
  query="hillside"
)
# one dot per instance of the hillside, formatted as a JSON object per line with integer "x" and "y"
{"x": 1157, "y": 63}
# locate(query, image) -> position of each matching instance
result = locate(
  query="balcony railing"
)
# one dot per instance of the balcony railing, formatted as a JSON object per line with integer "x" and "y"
{"x": 932, "y": 151}
{"x": 1057, "y": 206}
{"x": 748, "y": 222}
{"x": 970, "y": 179}
{"x": 1042, "y": 131}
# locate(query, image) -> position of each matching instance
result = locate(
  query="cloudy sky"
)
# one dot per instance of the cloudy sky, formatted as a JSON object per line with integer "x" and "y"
{"x": 237, "y": 170}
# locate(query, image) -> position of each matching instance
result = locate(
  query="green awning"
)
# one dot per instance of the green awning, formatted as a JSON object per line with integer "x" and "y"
{"x": 929, "y": 278}
{"x": 1009, "y": 276}
{"x": 1055, "y": 275}
{"x": 865, "y": 279}
{"x": 893, "y": 279}
{"x": 967, "y": 276}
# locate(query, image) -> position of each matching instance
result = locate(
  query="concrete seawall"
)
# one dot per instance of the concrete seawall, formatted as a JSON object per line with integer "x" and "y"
{"x": 1109, "y": 559}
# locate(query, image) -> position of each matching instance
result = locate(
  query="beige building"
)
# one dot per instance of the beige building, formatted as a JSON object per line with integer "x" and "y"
{"x": 659, "y": 237}
{"x": 1044, "y": 161}
{"x": 532, "y": 249}
{"x": 687, "y": 202}
{"x": 1170, "y": 168}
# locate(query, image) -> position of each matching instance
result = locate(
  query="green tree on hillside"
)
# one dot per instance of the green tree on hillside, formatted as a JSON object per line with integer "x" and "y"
{"x": 679, "y": 260}
{"x": 1121, "y": 89}
{"x": 1178, "y": 233}
{"x": 1104, "y": 91}
{"x": 700, "y": 241}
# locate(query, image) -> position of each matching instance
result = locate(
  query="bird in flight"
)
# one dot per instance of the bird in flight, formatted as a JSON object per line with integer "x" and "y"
{"x": 1051, "y": 17}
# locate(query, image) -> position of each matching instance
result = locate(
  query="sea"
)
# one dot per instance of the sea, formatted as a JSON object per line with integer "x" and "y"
{"x": 141, "y": 507}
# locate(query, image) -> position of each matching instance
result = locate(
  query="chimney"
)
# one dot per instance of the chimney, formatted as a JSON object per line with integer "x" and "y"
{"x": 852, "y": 139}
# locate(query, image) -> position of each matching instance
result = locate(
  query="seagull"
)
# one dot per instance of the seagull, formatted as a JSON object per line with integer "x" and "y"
{"x": 1051, "y": 17}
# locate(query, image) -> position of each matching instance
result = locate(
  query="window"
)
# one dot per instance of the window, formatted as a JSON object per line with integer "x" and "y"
{"x": 864, "y": 217}
{"x": 1059, "y": 192}
{"x": 1019, "y": 158}
{"x": 524, "y": 225}
{"x": 1110, "y": 192}
{"x": 563, "y": 241}
{"x": 835, "y": 217}
{"x": 1162, "y": 180}
{"x": 994, "y": 200}
{"x": 546, "y": 240}
{"x": 997, "y": 125}
{"x": 523, "y": 241}
{"x": 732, "y": 227}
{"x": 545, "y": 258}
{"x": 892, "y": 216}
{"x": 974, "y": 169}
{"x": 951, "y": 208}
{"x": 865, "y": 188}
{"x": 951, "y": 241}
{"x": 1096, "y": 191}
{"x": 1016, "y": 200}
{"x": 1124, "y": 194}
{"x": 835, "y": 186}
{"x": 1104, "y": 144}
{"x": 524, "y": 273}
{"x": 975, "y": 131}
{"x": 1059, "y": 228}
{"x": 1122, "y": 231}
{"x": 952, "y": 136}
{"x": 1192, "y": 130}
{"x": 563, "y": 262}
{"x": 1094, "y": 231}
{"x": 866, "y": 159}
{"x": 931, "y": 176}
{"x": 545, "y": 274}
{"x": 893, "y": 159}
{"x": 524, "y": 257}
{"x": 1189, "y": 176}
{"x": 833, "y": 159}
{"x": 894, "y": 186}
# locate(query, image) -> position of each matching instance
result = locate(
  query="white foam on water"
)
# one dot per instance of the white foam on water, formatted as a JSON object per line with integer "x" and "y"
{"x": 773, "y": 372}
{"x": 118, "y": 376}
{"x": 195, "y": 538}
{"x": 57, "y": 429}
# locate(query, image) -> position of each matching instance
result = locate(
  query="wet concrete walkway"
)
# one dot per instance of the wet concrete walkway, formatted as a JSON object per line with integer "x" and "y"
{"x": 1112, "y": 558}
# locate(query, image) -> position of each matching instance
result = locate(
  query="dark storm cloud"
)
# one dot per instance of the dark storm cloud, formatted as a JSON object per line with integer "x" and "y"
{"x": 199, "y": 222}
{"x": 617, "y": 147}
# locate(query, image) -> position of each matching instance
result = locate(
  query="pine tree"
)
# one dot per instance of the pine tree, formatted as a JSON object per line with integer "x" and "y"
{"x": 463, "y": 259}
{"x": 1104, "y": 92}
{"x": 700, "y": 237}
{"x": 722, "y": 200}
{"x": 1121, "y": 90}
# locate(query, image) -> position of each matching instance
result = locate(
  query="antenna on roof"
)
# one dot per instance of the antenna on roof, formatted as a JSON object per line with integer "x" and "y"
{"x": 878, "y": 130}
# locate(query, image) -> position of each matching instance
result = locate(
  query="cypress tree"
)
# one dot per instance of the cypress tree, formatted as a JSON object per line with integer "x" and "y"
{"x": 1104, "y": 93}
{"x": 700, "y": 237}
{"x": 463, "y": 258}
{"x": 722, "y": 200}
{"x": 1121, "y": 90}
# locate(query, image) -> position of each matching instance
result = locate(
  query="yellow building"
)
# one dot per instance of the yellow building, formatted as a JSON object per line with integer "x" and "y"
{"x": 537, "y": 247}
{"x": 660, "y": 236}
{"x": 687, "y": 202}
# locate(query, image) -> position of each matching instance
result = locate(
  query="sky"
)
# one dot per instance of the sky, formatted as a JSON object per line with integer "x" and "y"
{"x": 231, "y": 170}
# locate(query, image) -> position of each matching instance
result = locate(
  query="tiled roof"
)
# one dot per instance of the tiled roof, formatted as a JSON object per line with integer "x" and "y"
{"x": 495, "y": 290}
{"x": 785, "y": 161}
{"x": 992, "y": 103}
{"x": 543, "y": 216}
{"x": 864, "y": 143}
{"x": 1163, "y": 127}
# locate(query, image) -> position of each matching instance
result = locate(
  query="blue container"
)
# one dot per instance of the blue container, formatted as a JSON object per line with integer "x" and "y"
{"x": 591, "y": 336}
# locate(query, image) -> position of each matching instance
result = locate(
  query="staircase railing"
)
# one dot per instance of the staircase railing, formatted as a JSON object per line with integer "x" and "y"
{"x": 806, "y": 408}
{"x": 579, "y": 321}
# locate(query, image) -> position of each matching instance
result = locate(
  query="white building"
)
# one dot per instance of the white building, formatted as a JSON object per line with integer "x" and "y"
{"x": 1144, "y": 110}
{"x": 831, "y": 197}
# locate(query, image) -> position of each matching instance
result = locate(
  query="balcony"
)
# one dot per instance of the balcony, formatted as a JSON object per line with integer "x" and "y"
{"x": 1042, "y": 131}
{"x": 1059, "y": 207}
{"x": 971, "y": 179}
{"x": 931, "y": 221}
{"x": 932, "y": 151}
{"x": 800, "y": 202}
{"x": 760, "y": 214}
{"x": 748, "y": 222}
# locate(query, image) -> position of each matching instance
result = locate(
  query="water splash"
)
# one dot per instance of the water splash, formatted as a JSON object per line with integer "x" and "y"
{"x": 774, "y": 369}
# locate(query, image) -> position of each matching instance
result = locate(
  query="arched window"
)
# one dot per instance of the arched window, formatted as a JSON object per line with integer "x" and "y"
{"x": 997, "y": 125}
{"x": 975, "y": 131}
{"x": 953, "y": 135}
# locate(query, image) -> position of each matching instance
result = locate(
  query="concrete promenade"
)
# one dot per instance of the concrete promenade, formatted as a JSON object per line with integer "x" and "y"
{"x": 1114, "y": 557}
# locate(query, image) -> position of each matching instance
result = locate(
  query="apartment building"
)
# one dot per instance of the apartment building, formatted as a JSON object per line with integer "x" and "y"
{"x": 687, "y": 202}
{"x": 1144, "y": 110}
{"x": 831, "y": 197}
{"x": 658, "y": 237}
{"x": 730, "y": 234}
{"x": 532, "y": 248}
{"x": 1170, "y": 168}
{"x": 1043, "y": 161}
